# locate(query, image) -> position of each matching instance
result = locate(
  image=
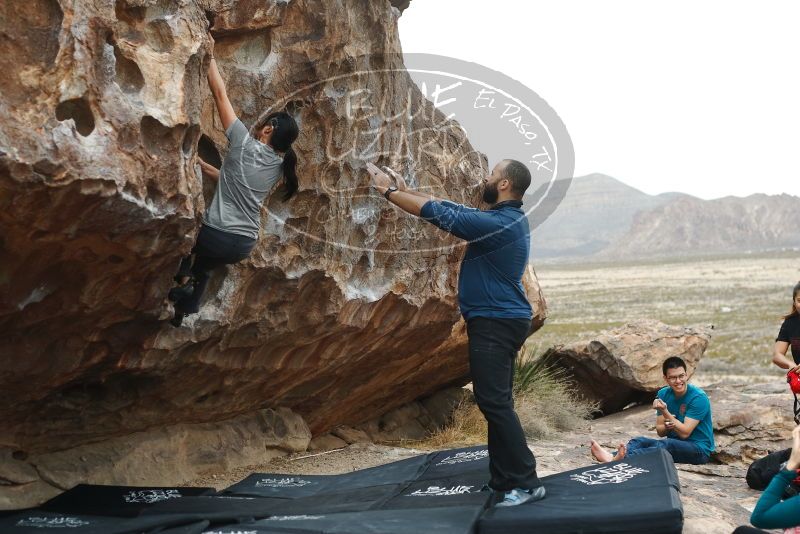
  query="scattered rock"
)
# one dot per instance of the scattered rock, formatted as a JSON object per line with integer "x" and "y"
{"x": 623, "y": 365}
{"x": 416, "y": 420}
{"x": 409, "y": 422}
{"x": 14, "y": 470}
{"x": 27, "y": 495}
{"x": 441, "y": 405}
{"x": 351, "y": 435}
{"x": 326, "y": 442}
{"x": 750, "y": 422}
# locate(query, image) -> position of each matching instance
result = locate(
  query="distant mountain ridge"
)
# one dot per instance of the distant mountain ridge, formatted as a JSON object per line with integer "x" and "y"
{"x": 604, "y": 219}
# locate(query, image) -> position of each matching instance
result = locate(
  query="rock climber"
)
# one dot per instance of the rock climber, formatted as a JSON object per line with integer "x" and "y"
{"x": 254, "y": 164}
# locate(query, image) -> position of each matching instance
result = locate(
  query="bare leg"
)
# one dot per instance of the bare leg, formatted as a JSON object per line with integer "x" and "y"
{"x": 622, "y": 450}
{"x": 599, "y": 453}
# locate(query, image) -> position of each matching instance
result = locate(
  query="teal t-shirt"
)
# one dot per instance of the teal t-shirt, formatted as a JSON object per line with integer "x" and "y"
{"x": 695, "y": 405}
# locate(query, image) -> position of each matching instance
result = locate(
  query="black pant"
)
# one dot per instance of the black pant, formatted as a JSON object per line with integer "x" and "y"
{"x": 493, "y": 347}
{"x": 749, "y": 530}
{"x": 212, "y": 249}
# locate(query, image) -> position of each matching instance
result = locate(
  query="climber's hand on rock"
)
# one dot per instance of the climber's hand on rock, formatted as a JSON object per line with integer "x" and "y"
{"x": 207, "y": 166}
{"x": 211, "y": 44}
{"x": 399, "y": 180}
{"x": 208, "y": 169}
{"x": 659, "y": 404}
{"x": 380, "y": 180}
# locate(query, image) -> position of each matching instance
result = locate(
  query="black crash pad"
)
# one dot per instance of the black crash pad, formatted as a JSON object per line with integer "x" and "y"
{"x": 456, "y": 462}
{"x": 280, "y": 486}
{"x": 118, "y": 501}
{"x": 438, "y": 492}
{"x": 298, "y": 486}
{"x": 462, "y": 490}
{"x": 637, "y": 494}
{"x": 237, "y": 508}
{"x": 37, "y": 521}
{"x": 452, "y": 520}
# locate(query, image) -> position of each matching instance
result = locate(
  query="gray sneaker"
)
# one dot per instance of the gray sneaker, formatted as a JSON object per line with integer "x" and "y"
{"x": 519, "y": 496}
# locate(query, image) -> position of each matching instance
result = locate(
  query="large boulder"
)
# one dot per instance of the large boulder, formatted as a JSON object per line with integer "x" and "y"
{"x": 623, "y": 365}
{"x": 346, "y": 308}
{"x": 751, "y": 420}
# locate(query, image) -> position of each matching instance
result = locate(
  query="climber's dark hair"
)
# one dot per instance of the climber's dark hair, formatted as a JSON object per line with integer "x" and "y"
{"x": 285, "y": 132}
{"x": 795, "y": 292}
{"x": 673, "y": 362}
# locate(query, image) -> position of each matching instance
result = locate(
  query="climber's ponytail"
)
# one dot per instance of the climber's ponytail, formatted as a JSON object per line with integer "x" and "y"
{"x": 284, "y": 133}
{"x": 289, "y": 175}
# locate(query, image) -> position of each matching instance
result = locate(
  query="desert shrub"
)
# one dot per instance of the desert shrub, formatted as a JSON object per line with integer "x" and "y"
{"x": 546, "y": 399}
{"x": 546, "y": 402}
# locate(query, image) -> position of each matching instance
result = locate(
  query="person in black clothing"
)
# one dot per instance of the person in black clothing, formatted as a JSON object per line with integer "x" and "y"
{"x": 253, "y": 166}
{"x": 789, "y": 336}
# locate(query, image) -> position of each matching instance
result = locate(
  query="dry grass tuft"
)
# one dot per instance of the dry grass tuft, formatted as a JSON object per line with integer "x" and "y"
{"x": 545, "y": 400}
{"x": 466, "y": 428}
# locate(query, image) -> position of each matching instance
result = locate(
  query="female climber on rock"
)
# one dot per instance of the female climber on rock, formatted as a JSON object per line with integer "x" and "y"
{"x": 252, "y": 167}
{"x": 789, "y": 336}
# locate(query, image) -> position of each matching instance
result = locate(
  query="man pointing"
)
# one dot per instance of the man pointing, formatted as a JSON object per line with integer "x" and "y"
{"x": 494, "y": 305}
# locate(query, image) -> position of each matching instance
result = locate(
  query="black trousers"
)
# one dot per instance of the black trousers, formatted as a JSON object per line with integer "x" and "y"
{"x": 212, "y": 249}
{"x": 493, "y": 347}
{"x": 749, "y": 530}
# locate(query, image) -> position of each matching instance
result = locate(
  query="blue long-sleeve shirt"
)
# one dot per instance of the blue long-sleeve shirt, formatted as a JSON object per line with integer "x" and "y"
{"x": 770, "y": 511}
{"x": 490, "y": 278}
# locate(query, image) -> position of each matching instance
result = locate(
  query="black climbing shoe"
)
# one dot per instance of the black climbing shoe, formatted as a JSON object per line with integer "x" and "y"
{"x": 181, "y": 292}
{"x": 177, "y": 320}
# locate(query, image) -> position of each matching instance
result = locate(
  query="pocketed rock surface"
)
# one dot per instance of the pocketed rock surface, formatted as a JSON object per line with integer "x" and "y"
{"x": 346, "y": 308}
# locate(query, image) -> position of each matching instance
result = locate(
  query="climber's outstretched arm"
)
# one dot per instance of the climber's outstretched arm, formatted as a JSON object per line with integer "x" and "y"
{"x": 411, "y": 203}
{"x": 224, "y": 107}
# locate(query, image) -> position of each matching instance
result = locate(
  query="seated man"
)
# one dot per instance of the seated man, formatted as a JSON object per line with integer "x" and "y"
{"x": 683, "y": 415}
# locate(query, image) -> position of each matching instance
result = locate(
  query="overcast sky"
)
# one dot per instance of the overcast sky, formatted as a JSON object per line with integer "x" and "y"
{"x": 701, "y": 96}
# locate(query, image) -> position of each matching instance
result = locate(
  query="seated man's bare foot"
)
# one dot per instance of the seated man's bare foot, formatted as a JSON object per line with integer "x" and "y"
{"x": 622, "y": 450}
{"x": 599, "y": 453}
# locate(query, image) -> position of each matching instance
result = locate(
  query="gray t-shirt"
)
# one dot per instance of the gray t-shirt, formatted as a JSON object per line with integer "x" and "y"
{"x": 249, "y": 172}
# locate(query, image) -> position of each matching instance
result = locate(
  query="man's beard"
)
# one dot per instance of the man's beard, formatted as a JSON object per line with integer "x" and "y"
{"x": 490, "y": 193}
